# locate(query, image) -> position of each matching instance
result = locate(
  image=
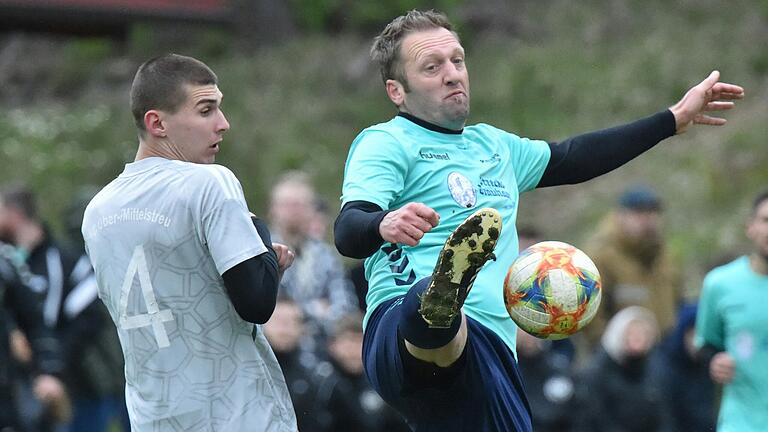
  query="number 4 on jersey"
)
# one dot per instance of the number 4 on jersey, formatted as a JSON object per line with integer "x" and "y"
{"x": 154, "y": 316}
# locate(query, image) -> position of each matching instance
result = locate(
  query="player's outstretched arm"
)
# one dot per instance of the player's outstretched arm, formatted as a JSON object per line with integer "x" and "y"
{"x": 707, "y": 96}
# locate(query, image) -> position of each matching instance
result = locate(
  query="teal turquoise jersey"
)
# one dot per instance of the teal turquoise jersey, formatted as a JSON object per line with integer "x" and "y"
{"x": 733, "y": 315}
{"x": 399, "y": 162}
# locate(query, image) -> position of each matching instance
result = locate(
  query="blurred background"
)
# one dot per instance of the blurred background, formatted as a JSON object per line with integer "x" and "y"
{"x": 298, "y": 87}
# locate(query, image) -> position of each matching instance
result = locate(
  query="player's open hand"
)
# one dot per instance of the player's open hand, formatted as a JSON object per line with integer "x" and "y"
{"x": 721, "y": 368}
{"x": 408, "y": 224}
{"x": 709, "y": 95}
{"x": 284, "y": 257}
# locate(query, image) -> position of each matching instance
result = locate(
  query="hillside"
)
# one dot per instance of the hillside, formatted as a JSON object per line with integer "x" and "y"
{"x": 541, "y": 69}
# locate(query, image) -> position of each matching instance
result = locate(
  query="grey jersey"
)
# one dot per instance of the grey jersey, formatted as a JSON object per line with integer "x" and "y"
{"x": 160, "y": 236}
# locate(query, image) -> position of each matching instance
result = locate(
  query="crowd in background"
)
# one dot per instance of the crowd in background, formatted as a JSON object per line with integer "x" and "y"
{"x": 633, "y": 369}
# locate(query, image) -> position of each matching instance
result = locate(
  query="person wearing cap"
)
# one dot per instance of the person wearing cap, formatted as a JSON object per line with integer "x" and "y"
{"x": 629, "y": 249}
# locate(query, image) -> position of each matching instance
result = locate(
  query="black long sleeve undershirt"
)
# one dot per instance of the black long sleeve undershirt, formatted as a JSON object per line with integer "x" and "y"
{"x": 575, "y": 160}
{"x": 593, "y": 154}
{"x": 252, "y": 284}
{"x": 356, "y": 230}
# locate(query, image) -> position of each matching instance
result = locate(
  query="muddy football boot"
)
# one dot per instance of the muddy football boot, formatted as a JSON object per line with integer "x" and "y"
{"x": 462, "y": 257}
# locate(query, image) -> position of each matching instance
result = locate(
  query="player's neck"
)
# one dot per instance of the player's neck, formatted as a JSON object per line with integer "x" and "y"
{"x": 158, "y": 148}
{"x": 759, "y": 264}
{"x": 430, "y": 126}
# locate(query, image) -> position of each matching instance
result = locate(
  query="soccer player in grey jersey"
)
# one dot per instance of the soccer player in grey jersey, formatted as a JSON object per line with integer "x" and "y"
{"x": 185, "y": 270}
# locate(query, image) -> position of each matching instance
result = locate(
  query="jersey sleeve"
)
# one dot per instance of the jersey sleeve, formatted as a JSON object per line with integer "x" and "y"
{"x": 225, "y": 223}
{"x": 530, "y": 159}
{"x": 375, "y": 170}
{"x": 709, "y": 325}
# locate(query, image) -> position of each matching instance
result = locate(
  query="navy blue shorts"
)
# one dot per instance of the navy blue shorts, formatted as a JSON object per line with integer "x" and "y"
{"x": 482, "y": 391}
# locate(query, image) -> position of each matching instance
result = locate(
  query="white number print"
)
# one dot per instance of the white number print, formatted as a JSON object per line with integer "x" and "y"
{"x": 154, "y": 316}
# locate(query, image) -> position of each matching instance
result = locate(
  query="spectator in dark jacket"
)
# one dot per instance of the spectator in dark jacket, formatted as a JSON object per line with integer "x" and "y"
{"x": 18, "y": 302}
{"x": 347, "y": 401}
{"x": 617, "y": 393}
{"x": 70, "y": 308}
{"x": 688, "y": 394}
{"x": 285, "y": 331}
{"x": 548, "y": 377}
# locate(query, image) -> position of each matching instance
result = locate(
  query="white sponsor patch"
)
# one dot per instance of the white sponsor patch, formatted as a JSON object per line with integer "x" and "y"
{"x": 462, "y": 190}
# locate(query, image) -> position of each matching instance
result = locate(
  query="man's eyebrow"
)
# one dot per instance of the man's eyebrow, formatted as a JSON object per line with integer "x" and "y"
{"x": 207, "y": 101}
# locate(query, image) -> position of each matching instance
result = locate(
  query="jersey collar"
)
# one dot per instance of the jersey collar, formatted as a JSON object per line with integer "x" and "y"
{"x": 427, "y": 125}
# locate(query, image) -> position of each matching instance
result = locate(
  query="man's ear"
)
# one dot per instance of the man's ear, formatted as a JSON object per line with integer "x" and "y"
{"x": 154, "y": 125}
{"x": 395, "y": 91}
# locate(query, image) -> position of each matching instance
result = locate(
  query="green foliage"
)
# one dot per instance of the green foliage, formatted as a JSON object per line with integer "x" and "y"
{"x": 358, "y": 15}
{"x": 564, "y": 68}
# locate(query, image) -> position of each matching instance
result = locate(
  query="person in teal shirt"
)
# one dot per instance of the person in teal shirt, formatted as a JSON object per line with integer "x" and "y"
{"x": 429, "y": 201}
{"x": 732, "y": 329}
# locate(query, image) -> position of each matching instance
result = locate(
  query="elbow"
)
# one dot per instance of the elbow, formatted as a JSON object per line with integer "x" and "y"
{"x": 342, "y": 240}
{"x": 346, "y": 247}
{"x": 343, "y": 246}
{"x": 257, "y": 313}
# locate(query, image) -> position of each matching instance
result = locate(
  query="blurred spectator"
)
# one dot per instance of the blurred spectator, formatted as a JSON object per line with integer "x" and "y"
{"x": 636, "y": 270}
{"x": 93, "y": 362}
{"x": 549, "y": 385}
{"x": 616, "y": 392}
{"x": 284, "y": 331}
{"x": 18, "y": 302}
{"x": 687, "y": 393}
{"x": 346, "y": 399}
{"x": 320, "y": 220}
{"x": 102, "y": 358}
{"x": 316, "y": 281}
{"x": 732, "y": 329}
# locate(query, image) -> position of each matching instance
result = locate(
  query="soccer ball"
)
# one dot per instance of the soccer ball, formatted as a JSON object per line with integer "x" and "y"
{"x": 552, "y": 290}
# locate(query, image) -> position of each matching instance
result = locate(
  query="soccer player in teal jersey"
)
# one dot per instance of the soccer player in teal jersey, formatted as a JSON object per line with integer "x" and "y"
{"x": 732, "y": 330}
{"x": 428, "y": 201}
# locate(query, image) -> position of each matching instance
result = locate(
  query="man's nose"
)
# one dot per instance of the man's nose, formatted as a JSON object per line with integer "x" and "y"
{"x": 223, "y": 124}
{"x": 452, "y": 74}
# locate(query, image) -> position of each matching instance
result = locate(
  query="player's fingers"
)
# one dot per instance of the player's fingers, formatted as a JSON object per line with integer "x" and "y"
{"x": 719, "y": 106}
{"x": 415, "y": 232}
{"x": 288, "y": 258}
{"x": 427, "y": 213}
{"x": 710, "y": 81}
{"x": 406, "y": 239}
{"x": 422, "y": 225}
{"x": 709, "y": 120}
{"x": 728, "y": 91}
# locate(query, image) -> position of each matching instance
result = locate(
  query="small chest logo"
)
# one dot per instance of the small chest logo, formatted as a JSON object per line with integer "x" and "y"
{"x": 462, "y": 190}
{"x": 434, "y": 155}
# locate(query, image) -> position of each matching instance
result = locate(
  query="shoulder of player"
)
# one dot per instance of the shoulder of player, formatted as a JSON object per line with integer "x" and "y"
{"x": 212, "y": 174}
{"x": 722, "y": 276}
{"x": 487, "y": 130}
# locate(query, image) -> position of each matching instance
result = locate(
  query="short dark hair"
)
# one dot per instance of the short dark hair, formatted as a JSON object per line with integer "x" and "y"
{"x": 20, "y": 197}
{"x": 159, "y": 84}
{"x": 758, "y": 201}
{"x": 640, "y": 197}
{"x": 386, "y": 46}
